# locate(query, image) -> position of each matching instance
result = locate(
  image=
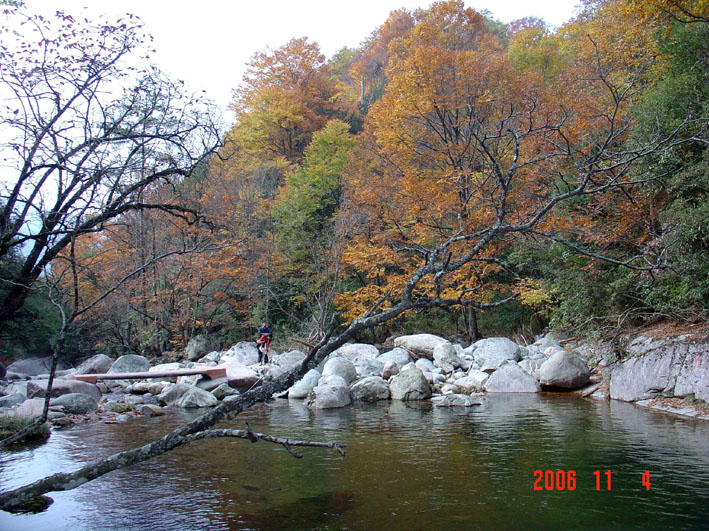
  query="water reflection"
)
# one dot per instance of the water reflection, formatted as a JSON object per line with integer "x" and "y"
{"x": 409, "y": 465}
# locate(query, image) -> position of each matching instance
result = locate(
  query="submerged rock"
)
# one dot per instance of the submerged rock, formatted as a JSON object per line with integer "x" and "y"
{"x": 455, "y": 400}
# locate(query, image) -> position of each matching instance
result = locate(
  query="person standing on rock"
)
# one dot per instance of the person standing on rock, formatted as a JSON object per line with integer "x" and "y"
{"x": 263, "y": 342}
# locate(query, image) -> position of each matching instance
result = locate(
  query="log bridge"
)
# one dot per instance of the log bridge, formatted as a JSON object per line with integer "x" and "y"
{"x": 210, "y": 372}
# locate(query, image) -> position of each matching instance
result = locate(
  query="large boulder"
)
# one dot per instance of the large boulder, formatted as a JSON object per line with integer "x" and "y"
{"x": 302, "y": 387}
{"x": 420, "y": 345}
{"x": 370, "y": 389}
{"x": 446, "y": 357}
{"x": 130, "y": 363}
{"x": 369, "y": 367}
{"x": 331, "y": 392}
{"x": 38, "y": 388}
{"x": 492, "y": 352}
{"x": 390, "y": 369}
{"x": 671, "y": 367}
{"x": 199, "y": 346}
{"x": 511, "y": 378}
{"x": 409, "y": 384}
{"x": 340, "y": 367}
{"x": 98, "y": 364}
{"x": 29, "y": 408}
{"x": 240, "y": 376}
{"x": 244, "y": 352}
{"x": 12, "y": 400}
{"x": 31, "y": 366}
{"x": 75, "y": 403}
{"x": 288, "y": 360}
{"x": 398, "y": 355}
{"x": 532, "y": 366}
{"x": 564, "y": 369}
{"x": 187, "y": 396}
{"x": 455, "y": 400}
{"x": 357, "y": 352}
{"x": 424, "y": 365}
{"x": 224, "y": 390}
{"x": 473, "y": 382}
{"x": 282, "y": 363}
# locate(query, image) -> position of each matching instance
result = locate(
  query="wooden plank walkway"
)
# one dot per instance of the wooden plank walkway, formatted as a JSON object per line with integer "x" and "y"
{"x": 210, "y": 372}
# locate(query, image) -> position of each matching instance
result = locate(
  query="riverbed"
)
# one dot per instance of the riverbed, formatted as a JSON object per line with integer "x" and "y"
{"x": 517, "y": 461}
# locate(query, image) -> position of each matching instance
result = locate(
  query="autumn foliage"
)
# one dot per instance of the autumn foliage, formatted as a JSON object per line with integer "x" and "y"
{"x": 448, "y": 162}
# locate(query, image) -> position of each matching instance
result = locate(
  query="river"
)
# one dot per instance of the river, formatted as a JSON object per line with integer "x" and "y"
{"x": 408, "y": 466}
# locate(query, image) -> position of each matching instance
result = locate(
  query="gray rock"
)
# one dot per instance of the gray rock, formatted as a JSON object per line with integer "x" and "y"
{"x": 449, "y": 389}
{"x": 409, "y": 384}
{"x": 150, "y": 410}
{"x": 239, "y": 376}
{"x": 288, "y": 360}
{"x": 210, "y": 385}
{"x": 662, "y": 367}
{"x": 75, "y": 403}
{"x": 132, "y": 400}
{"x": 244, "y": 352}
{"x": 357, "y": 352}
{"x": 544, "y": 342}
{"x": 38, "y": 388}
{"x": 130, "y": 363}
{"x": 492, "y": 352}
{"x": 12, "y": 400}
{"x": 473, "y": 382}
{"x": 302, "y": 388}
{"x": 397, "y": 355}
{"x": 98, "y": 364}
{"x": 331, "y": 392}
{"x": 511, "y": 378}
{"x": 149, "y": 398}
{"x": 31, "y": 366}
{"x": 187, "y": 396}
{"x": 223, "y": 391}
{"x": 531, "y": 366}
{"x": 211, "y": 358}
{"x": 342, "y": 368}
{"x": 420, "y": 345}
{"x": 424, "y": 365}
{"x": 369, "y": 367}
{"x": 446, "y": 357}
{"x": 455, "y": 400}
{"x": 370, "y": 389}
{"x": 199, "y": 346}
{"x": 564, "y": 369}
{"x": 390, "y": 369}
{"x": 32, "y": 407}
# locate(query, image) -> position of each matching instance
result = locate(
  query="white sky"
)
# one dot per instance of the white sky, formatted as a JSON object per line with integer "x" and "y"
{"x": 207, "y": 43}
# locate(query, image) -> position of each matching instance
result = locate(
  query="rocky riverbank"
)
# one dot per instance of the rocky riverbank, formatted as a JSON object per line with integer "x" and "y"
{"x": 670, "y": 373}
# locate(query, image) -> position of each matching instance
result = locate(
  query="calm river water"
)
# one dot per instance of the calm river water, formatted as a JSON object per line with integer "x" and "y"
{"x": 408, "y": 466}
